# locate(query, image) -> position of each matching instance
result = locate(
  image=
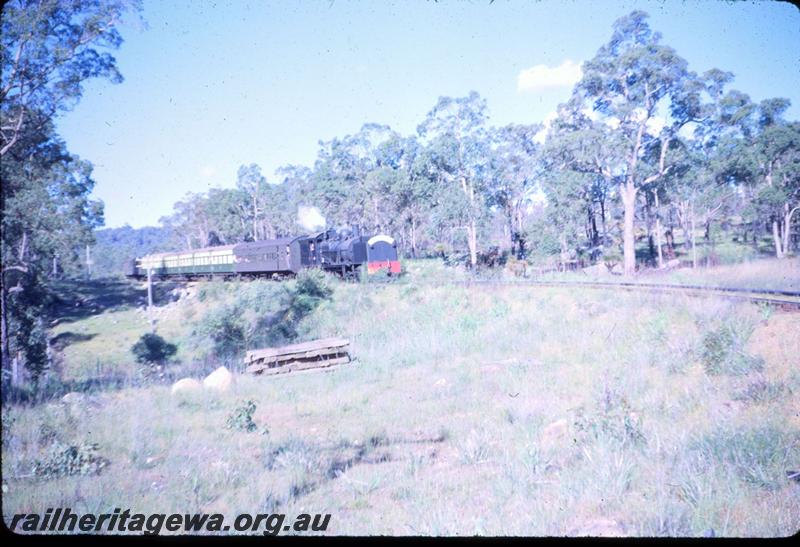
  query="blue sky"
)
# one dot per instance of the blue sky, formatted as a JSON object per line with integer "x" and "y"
{"x": 210, "y": 86}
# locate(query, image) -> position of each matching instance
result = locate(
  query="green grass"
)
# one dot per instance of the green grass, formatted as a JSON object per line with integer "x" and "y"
{"x": 444, "y": 422}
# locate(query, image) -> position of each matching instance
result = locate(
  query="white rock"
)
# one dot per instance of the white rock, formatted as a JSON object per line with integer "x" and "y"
{"x": 186, "y": 386}
{"x": 220, "y": 380}
{"x": 555, "y": 432}
{"x": 597, "y": 269}
{"x": 73, "y": 398}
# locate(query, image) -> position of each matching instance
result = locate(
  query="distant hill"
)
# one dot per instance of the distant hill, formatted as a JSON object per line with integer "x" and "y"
{"x": 114, "y": 246}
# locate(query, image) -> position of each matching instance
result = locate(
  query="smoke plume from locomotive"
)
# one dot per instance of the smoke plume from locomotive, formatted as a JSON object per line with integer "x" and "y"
{"x": 310, "y": 218}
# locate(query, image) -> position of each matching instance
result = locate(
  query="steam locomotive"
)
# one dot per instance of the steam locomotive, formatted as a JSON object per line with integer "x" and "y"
{"x": 344, "y": 252}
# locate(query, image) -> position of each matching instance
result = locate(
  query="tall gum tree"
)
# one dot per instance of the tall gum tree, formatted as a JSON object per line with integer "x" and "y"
{"x": 638, "y": 83}
{"x": 48, "y": 49}
{"x": 516, "y": 168}
{"x": 578, "y": 169}
{"x": 456, "y": 135}
{"x": 778, "y": 151}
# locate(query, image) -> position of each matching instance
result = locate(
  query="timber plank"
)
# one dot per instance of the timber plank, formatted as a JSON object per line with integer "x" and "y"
{"x": 322, "y": 344}
{"x": 296, "y": 365}
{"x": 296, "y": 355}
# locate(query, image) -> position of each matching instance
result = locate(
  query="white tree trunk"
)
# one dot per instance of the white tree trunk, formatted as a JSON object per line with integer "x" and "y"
{"x": 628, "y": 193}
{"x": 776, "y": 237}
{"x": 658, "y": 235}
{"x": 787, "y": 220}
{"x": 694, "y": 242}
{"x": 472, "y": 242}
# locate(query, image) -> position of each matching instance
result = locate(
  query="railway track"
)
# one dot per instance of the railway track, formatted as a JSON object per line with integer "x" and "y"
{"x": 789, "y": 300}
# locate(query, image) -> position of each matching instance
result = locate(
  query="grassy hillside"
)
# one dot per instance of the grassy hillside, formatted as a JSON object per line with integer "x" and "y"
{"x": 467, "y": 411}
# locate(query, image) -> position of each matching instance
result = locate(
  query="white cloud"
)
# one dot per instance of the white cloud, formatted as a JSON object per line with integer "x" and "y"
{"x": 208, "y": 171}
{"x": 542, "y": 76}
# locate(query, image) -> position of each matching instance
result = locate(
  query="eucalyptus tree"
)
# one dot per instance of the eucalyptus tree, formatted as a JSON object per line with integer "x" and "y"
{"x": 744, "y": 156}
{"x": 293, "y": 188}
{"x": 516, "y": 169}
{"x": 340, "y": 179}
{"x": 581, "y": 159}
{"x": 456, "y": 135}
{"x": 48, "y": 49}
{"x": 253, "y": 183}
{"x": 777, "y": 149}
{"x": 189, "y": 221}
{"x": 408, "y": 189}
{"x": 227, "y": 211}
{"x": 634, "y": 81}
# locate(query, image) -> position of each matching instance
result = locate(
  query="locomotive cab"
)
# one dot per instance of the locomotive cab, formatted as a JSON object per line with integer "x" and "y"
{"x": 382, "y": 254}
{"x": 346, "y": 251}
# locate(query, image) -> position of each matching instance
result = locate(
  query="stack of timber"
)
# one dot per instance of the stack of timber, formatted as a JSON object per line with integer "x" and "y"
{"x": 322, "y": 353}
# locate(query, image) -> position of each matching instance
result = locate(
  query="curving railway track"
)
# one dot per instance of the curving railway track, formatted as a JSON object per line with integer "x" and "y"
{"x": 787, "y": 300}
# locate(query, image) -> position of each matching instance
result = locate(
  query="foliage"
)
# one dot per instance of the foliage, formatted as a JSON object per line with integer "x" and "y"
{"x": 49, "y": 49}
{"x": 64, "y": 460}
{"x": 644, "y": 148}
{"x": 755, "y": 456}
{"x": 611, "y": 417}
{"x": 152, "y": 348}
{"x": 241, "y": 419}
{"x": 723, "y": 350}
{"x": 261, "y": 312}
{"x": 763, "y": 391}
{"x": 643, "y": 145}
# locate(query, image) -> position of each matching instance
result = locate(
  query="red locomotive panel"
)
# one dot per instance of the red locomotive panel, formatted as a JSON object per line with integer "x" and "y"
{"x": 392, "y": 265}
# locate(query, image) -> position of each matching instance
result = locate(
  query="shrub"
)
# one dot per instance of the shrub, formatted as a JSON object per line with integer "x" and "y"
{"x": 723, "y": 351}
{"x": 65, "y": 460}
{"x": 151, "y": 348}
{"x": 241, "y": 419}
{"x": 762, "y": 391}
{"x": 225, "y": 329}
{"x": 611, "y": 417}
{"x": 310, "y": 289}
{"x": 759, "y": 456}
{"x": 261, "y": 313}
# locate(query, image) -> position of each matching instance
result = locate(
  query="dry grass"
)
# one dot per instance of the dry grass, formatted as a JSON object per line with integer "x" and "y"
{"x": 484, "y": 410}
{"x": 770, "y": 274}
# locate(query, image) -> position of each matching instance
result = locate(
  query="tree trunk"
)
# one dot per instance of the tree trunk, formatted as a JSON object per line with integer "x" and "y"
{"x": 255, "y": 217}
{"x": 4, "y": 325}
{"x": 658, "y": 235}
{"x": 16, "y": 370}
{"x": 777, "y": 239}
{"x": 686, "y": 225}
{"x": 603, "y": 218}
{"x": 413, "y": 238}
{"x": 694, "y": 242}
{"x": 787, "y": 226}
{"x": 628, "y": 193}
{"x": 472, "y": 243}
